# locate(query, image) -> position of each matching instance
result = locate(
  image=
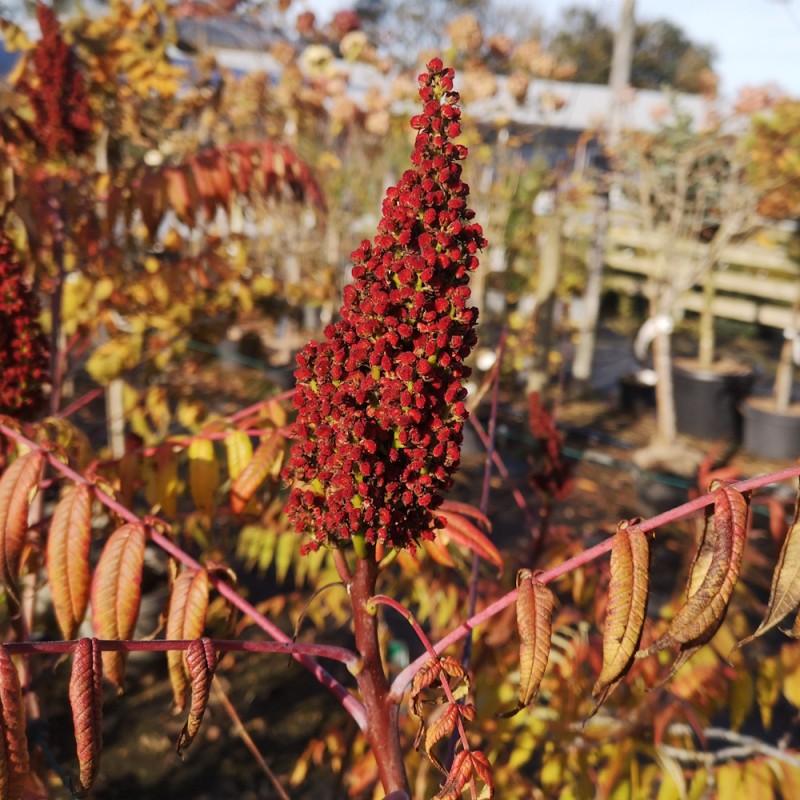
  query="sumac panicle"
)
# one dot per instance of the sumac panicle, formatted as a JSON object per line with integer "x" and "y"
{"x": 57, "y": 92}
{"x": 24, "y": 353}
{"x": 380, "y": 399}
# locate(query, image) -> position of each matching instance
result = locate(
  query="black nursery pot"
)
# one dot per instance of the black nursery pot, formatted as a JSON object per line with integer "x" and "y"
{"x": 768, "y": 433}
{"x": 636, "y": 393}
{"x": 707, "y": 402}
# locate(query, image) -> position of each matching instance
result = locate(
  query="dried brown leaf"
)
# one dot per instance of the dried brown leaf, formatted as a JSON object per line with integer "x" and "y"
{"x": 68, "y": 543}
{"x": 18, "y": 484}
{"x": 186, "y": 619}
{"x": 710, "y": 591}
{"x": 255, "y": 473}
{"x": 86, "y": 700}
{"x": 427, "y": 674}
{"x": 627, "y": 607}
{"x": 15, "y": 762}
{"x": 201, "y": 659}
{"x": 117, "y": 593}
{"x": 784, "y": 596}
{"x": 440, "y": 729}
{"x": 535, "y": 603}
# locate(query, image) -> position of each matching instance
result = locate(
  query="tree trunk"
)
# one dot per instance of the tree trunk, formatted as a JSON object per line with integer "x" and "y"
{"x": 784, "y": 375}
{"x": 549, "y": 266}
{"x": 708, "y": 344}
{"x": 584, "y": 352}
{"x": 666, "y": 422}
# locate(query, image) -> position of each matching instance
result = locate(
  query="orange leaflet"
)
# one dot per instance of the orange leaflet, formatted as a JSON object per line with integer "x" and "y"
{"x": 14, "y": 756}
{"x": 68, "y": 543}
{"x": 535, "y": 603}
{"x": 443, "y": 727}
{"x": 256, "y": 471}
{"x": 464, "y": 533}
{"x": 466, "y": 765}
{"x": 627, "y": 606}
{"x": 202, "y": 661}
{"x": 117, "y": 593}
{"x": 460, "y": 773}
{"x": 714, "y": 574}
{"x": 18, "y": 485}
{"x": 186, "y": 619}
{"x": 86, "y": 700}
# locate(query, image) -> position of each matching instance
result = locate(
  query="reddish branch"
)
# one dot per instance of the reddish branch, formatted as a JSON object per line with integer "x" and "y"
{"x": 587, "y": 556}
{"x": 383, "y": 731}
{"x": 350, "y": 703}
{"x": 340, "y": 654}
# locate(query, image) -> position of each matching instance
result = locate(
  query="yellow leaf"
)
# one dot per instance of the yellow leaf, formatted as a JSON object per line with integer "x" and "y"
{"x": 203, "y": 473}
{"x": 239, "y": 449}
{"x": 742, "y": 696}
{"x": 284, "y": 553}
{"x": 768, "y": 687}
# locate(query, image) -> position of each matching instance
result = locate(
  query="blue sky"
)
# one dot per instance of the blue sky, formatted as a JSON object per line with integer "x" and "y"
{"x": 757, "y": 41}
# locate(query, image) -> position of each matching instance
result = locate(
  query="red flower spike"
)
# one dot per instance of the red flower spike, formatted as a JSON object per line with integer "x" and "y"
{"x": 58, "y": 95}
{"x": 24, "y": 352}
{"x": 404, "y": 333}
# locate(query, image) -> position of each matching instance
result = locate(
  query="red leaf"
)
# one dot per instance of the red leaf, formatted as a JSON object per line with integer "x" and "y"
{"x": 86, "y": 700}
{"x": 117, "y": 593}
{"x": 14, "y": 761}
{"x": 68, "y": 545}
{"x": 202, "y": 661}
{"x": 464, "y": 533}
{"x": 18, "y": 484}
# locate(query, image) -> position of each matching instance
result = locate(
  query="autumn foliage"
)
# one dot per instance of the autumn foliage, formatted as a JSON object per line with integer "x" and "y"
{"x": 63, "y": 123}
{"x": 347, "y": 504}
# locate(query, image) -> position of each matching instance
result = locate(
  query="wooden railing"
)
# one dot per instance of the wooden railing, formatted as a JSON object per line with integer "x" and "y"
{"x": 755, "y": 281}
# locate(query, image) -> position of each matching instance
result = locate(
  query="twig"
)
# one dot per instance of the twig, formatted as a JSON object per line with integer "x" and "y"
{"x": 248, "y": 740}
{"x": 350, "y": 703}
{"x": 743, "y": 747}
{"x": 679, "y": 512}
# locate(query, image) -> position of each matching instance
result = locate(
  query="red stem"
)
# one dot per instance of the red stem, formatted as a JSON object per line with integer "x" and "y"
{"x": 385, "y": 600}
{"x": 350, "y": 703}
{"x": 341, "y": 654}
{"x": 382, "y": 731}
{"x": 404, "y": 677}
{"x": 78, "y": 404}
{"x": 243, "y": 413}
{"x": 519, "y": 498}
